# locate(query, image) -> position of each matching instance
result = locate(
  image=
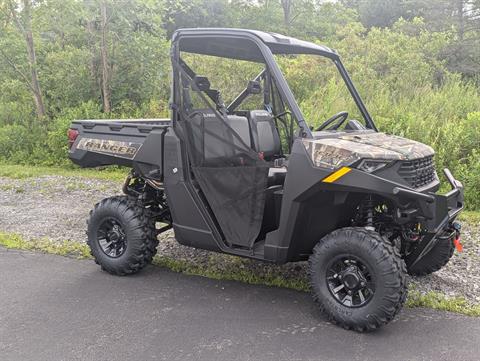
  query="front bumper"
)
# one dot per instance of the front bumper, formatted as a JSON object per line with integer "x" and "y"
{"x": 439, "y": 211}
{"x": 436, "y": 210}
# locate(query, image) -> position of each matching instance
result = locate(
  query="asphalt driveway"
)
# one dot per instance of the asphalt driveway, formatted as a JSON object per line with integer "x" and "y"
{"x": 56, "y": 308}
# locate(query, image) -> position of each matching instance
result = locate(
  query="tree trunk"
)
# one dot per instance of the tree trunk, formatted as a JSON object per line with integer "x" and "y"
{"x": 461, "y": 23}
{"x": 287, "y": 11}
{"x": 104, "y": 57}
{"x": 35, "y": 85}
{"x": 95, "y": 83}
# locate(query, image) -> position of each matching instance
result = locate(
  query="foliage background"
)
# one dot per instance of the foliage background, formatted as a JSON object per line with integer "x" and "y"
{"x": 415, "y": 62}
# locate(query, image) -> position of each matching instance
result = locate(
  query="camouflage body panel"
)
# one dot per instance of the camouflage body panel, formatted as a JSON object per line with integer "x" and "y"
{"x": 342, "y": 151}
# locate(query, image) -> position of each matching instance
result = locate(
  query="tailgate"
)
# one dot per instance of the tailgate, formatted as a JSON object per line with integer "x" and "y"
{"x": 117, "y": 142}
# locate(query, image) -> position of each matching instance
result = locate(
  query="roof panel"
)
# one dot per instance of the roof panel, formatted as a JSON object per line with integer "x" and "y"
{"x": 234, "y": 43}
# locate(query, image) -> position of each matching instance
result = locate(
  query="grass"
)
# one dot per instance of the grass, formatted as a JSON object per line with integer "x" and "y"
{"x": 232, "y": 272}
{"x": 231, "y": 269}
{"x": 17, "y": 171}
{"x": 11, "y": 187}
{"x": 65, "y": 248}
{"x": 438, "y": 301}
{"x": 471, "y": 217}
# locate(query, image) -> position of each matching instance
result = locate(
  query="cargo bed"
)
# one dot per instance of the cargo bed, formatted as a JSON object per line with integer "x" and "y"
{"x": 100, "y": 142}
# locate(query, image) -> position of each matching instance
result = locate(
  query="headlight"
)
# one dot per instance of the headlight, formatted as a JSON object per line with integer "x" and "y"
{"x": 372, "y": 165}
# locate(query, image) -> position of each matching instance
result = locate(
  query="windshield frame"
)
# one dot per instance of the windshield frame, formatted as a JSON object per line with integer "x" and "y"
{"x": 335, "y": 58}
{"x": 267, "y": 51}
{"x": 355, "y": 95}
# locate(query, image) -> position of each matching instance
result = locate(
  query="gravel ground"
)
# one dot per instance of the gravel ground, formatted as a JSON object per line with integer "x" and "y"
{"x": 57, "y": 207}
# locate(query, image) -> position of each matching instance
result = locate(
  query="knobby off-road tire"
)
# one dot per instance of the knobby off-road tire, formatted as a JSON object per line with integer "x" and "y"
{"x": 137, "y": 227}
{"x": 435, "y": 259}
{"x": 382, "y": 266}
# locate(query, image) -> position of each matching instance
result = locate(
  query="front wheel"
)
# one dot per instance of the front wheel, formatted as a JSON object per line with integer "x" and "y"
{"x": 436, "y": 258}
{"x": 357, "y": 278}
{"x": 121, "y": 235}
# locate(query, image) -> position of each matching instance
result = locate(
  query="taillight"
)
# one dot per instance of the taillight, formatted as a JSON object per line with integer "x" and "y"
{"x": 72, "y": 135}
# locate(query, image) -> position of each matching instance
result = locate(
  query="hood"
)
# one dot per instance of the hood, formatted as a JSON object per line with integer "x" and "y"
{"x": 347, "y": 149}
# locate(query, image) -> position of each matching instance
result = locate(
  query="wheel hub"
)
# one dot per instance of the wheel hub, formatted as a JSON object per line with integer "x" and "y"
{"x": 350, "y": 281}
{"x": 353, "y": 278}
{"x": 111, "y": 238}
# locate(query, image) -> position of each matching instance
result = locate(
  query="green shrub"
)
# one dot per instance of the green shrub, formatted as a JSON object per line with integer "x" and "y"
{"x": 469, "y": 174}
{"x": 17, "y": 143}
{"x": 56, "y": 145}
{"x": 16, "y": 103}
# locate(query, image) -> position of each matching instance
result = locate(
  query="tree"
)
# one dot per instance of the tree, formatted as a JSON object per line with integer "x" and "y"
{"x": 97, "y": 24}
{"x": 463, "y": 52}
{"x": 196, "y": 13}
{"x": 128, "y": 51}
{"x": 20, "y": 14}
{"x": 104, "y": 56}
{"x": 378, "y": 13}
{"x": 287, "y": 11}
{"x": 463, "y": 16}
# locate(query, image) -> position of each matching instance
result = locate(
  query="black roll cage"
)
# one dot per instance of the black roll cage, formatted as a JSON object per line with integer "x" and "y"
{"x": 268, "y": 44}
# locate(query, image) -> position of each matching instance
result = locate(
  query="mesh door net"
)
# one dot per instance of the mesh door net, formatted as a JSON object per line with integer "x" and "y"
{"x": 231, "y": 175}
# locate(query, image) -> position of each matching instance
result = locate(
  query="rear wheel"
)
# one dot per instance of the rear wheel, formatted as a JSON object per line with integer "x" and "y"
{"x": 121, "y": 235}
{"x": 436, "y": 258}
{"x": 357, "y": 278}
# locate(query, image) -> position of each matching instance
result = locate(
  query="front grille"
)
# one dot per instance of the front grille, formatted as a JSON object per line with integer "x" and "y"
{"x": 418, "y": 172}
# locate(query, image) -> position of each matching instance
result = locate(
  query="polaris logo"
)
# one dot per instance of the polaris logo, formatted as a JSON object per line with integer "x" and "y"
{"x": 113, "y": 147}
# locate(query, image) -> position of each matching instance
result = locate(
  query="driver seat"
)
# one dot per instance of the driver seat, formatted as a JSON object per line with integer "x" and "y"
{"x": 265, "y": 137}
{"x": 266, "y": 141}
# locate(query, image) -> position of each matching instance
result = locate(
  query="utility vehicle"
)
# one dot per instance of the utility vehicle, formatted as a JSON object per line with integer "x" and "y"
{"x": 361, "y": 206}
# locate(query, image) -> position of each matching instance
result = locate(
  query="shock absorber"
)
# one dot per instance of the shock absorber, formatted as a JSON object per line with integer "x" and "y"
{"x": 366, "y": 213}
{"x": 369, "y": 208}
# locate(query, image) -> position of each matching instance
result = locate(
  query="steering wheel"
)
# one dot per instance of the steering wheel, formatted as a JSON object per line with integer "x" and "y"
{"x": 280, "y": 115}
{"x": 340, "y": 118}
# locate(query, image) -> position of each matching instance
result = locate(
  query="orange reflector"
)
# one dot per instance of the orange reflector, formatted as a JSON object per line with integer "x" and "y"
{"x": 336, "y": 175}
{"x": 457, "y": 244}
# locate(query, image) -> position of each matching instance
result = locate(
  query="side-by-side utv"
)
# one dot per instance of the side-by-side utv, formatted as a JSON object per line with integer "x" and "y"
{"x": 361, "y": 206}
